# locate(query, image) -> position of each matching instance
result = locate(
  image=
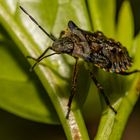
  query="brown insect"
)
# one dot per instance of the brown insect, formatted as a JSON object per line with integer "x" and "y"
{"x": 94, "y": 48}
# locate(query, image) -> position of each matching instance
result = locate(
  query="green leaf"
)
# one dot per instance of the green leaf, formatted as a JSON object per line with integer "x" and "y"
{"x": 102, "y": 14}
{"x": 136, "y": 51}
{"x": 125, "y": 26}
{"x": 56, "y": 75}
{"x": 131, "y": 96}
{"x": 43, "y": 95}
{"x": 124, "y": 90}
{"x": 20, "y": 90}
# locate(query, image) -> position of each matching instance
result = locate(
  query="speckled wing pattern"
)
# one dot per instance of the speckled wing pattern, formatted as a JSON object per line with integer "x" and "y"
{"x": 106, "y": 53}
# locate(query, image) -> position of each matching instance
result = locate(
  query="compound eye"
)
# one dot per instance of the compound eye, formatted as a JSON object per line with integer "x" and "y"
{"x": 71, "y": 25}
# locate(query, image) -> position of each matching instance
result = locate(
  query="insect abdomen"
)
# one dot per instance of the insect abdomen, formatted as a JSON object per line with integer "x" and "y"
{"x": 108, "y": 54}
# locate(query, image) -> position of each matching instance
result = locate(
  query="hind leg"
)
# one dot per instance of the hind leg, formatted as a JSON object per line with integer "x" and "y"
{"x": 101, "y": 90}
{"x": 129, "y": 73}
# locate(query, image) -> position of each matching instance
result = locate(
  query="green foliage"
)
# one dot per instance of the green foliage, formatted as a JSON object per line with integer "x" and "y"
{"x": 42, "y": 96}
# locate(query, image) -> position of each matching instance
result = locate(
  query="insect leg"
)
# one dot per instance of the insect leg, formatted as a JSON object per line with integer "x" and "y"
{"x": 129, "y": 73}
{"x": 41, "y": 57}
{"x": 100, "y": 88}
{"x": 73, "y": 88}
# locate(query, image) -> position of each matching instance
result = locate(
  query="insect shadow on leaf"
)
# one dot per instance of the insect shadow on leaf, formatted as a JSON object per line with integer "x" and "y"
{"x": 94, "y": 48}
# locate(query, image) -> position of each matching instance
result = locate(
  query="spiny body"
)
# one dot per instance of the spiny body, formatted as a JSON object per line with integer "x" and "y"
{"x": 95, "y": 48}
{"x": 92, "y": 47}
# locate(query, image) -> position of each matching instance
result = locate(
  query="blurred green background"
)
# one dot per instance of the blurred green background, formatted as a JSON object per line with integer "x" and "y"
{"x": 16, "y": 128}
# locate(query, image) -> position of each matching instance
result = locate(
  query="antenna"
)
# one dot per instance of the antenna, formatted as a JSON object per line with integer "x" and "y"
{"x": 49, "y": 35}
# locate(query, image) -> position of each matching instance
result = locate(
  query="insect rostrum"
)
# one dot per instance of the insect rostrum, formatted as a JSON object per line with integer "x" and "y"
{"x": 94, "y": 48}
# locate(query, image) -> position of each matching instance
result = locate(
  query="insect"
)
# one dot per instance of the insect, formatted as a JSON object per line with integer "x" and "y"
{"x": 94, "y": 48}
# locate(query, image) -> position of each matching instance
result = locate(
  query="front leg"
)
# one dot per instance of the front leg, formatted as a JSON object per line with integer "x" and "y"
{"x": 101, "y": 90}
{"x": 41, "y": 57}
{"x": 73, "y": 87}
